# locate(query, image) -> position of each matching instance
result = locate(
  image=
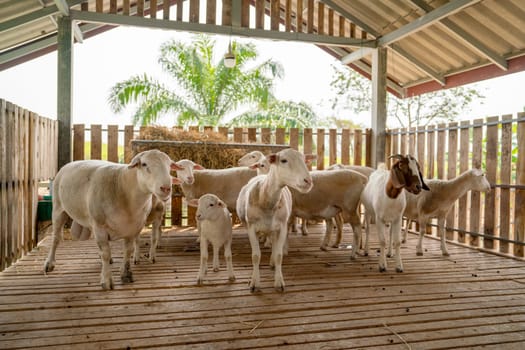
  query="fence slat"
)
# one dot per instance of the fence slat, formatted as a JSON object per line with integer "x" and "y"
{"x": 113, "y": 143}
{"x": 358, "y": 147}
{"x": 96, "y": 141}
{"x": 320, "y": 149}
{"x": 452, "y": 162}
{"x": 519, "y": 208}
{"x": 332, "y": 158}
{"x": 463, "y": 212}
{"x": 294, "y": 138}
{"x": 280, "y": 136}
{"x": 490, "y": 197}
{"x": 307, "y": 144}
{"x": 345, "y": 146}
{"x": 475, "y": 197}
{"x": 78, "y": 141}
{"x": 504, "y": 177}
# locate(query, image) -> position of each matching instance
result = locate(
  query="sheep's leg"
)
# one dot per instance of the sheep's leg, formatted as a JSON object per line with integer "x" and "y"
{"x": 106, "y": 281}
{"x": 136, "y": 253}
{"x": 304, "y": 226}
{"x": 255, "y": 282}
{"x": 156, "y": 232}
{"x": 339, "y": 224}
{"x": 395, "y": 234}
{"x": 277, "y": 253}
{"x": 327, "y": 233}
{"x": 368, "y": 219}
{"x": 356, "y": 229}
{"x": 382, "y": 244}
{"x": 441, "y": 228}
{"x": 405, "y": 231}
{"x": 203, "y": 269}
{"x": 59, "y": 220}
{"x": 422, "y": 229}
{"x": 215, "y": 257}
{"x": 228, "y": 258}
{"x": 125, "y": 272}
{"x": 390, "y": 242}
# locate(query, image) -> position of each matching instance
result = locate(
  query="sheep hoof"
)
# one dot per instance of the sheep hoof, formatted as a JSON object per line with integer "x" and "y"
{"x": 382, "y": 269}
{"x": 231, "y": 278}
{"x": 335, "y": 245}
{"x": 105, "y": 285}
{"x": 48, "y": 267}
{"x": 419, "y": 253}
{"x": 280, "y": 289}
{"x": 323, "y": 248}
{"x": 254, "y": 289}
{"x": 111, "y": 260}
{"x": 403, "y": 241}
{"x": 389, "y": 255}
{"x": 365, "y": 254}
{"x": 215, "y": 269}
{"x": 127, "y": 277}
{"x": 399, "y": 269}
{"x": 199, "y": 281}
{"x": 444, "y": 254}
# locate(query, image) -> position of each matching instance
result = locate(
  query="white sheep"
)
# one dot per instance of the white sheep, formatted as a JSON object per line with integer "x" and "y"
{"x": 111, "y": 200}
{"x": 257, "y": 160}
{"x": 184, "y": 169}
{"x": 334, "y": 192}
{"x": 438, "y": 201}
{"x": 215, "y": 226}
{"x": 384, "y": 199}
{"x": 265, "y": 204}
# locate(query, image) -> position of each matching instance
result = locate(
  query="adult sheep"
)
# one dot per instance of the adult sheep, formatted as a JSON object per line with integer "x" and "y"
{"x": 112, "y": 200}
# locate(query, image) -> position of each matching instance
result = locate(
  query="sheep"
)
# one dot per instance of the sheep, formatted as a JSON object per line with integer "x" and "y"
{"x": 215, "y": 226}
{"x": 111, "y": 200}
{"x": 384, "y": 199}
{"x": 184, "y": 168}
{"x": 253, "y": 158}
{"x": 438, "y": 201}
{"x": 264, "y": 205}
{"x": 334, "y": 192}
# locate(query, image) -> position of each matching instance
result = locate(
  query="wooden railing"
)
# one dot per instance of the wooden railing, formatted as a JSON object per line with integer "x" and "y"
{"x": 28, "y": 155}
{"x": 495, "y": 220}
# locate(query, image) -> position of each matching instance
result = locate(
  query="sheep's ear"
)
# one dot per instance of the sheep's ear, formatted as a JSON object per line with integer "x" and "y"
{"x": 398, "y": 178}
{"x": 176, "y": 181}
{"x": 254, "y": 166}
{"x": 221, "y": 204}
{"x": 308, "y": 158}
{"x": 193, "y": 202}
{"x": 198, "y": 167}
{"x": 135, "y": 162}
{"x": 175, "y": 166}
{"x": 272, "y": 158}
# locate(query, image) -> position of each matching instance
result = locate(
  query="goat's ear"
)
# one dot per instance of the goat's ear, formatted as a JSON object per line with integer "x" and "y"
{"x": 193, "y": 202}
{"x": 272, "y": 158}
{"x": 397, "y": 176}
{"x": 423, "y": 184}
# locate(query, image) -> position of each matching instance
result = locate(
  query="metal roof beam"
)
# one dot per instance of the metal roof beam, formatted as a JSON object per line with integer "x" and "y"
{"x": 424, "y": 21}
{"x": 104, "y": 18}
{"x": 34, "y": 16}
{"x": 466, "y": 37}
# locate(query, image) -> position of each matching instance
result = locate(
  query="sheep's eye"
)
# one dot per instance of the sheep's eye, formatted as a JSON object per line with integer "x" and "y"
{"x": 284, "y": 161}
{"x": 144, "y": 165}
{"x": 211, "y": 204}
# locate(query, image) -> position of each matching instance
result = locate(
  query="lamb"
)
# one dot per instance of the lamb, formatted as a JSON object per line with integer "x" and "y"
{"x": 439, "y": 200}
{"x": 215, "y": 226}
{"x": 265, "y": 204}
{"x": 111, "y": 200}
{"x": 384, "y": 199}
{"x": 334, "y": 192}
{"x": 255, "y": 158}
{"x": 184, "y": 168}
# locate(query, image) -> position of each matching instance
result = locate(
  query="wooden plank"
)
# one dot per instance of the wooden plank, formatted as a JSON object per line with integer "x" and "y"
{"x": 463, "y": 209}
{"x": 452, "y": 162}
{"x": 194, "y": 11}
{"x": 113, "y": 6}
{"x": 166, "y": 9}
{"x": 330, "y": 22}
{"x": 368, "y": 150}
{"x": 259, "y": 14}
{"x": 342, "y": 26}
{"x": 388, "y": 146}
{"x": 475, "y": 197}
{"x": 345, "y": 146}
{"x": 78, "y": 141}
{"x": 403, "y": 142}
{"x": 266, "y": 135}
{"x": 332, "y": 144}
{"x": 505, "y": 178}
{"x": 237, "y": 135}
{"x": 299, "y": 16}
{"x": 310, "y": 17}
{"x": 280, "y": 136}
{"x": 223, "y": 130}
{"x": 294, "y": 138}
{"x": 288, "y": 16}
{"x": 431, "y": 141}
{"x": 352, "y": 30}
{"x": 140, "y": 8}
{"x": 226, "y": 12}
{"x": 129, "y": 134}
{"x": 126, "y": 7}
{"x": 211, "y": 11}
{"x": 320, "y": 18}
{"x": 275, "y": 14}
{"x": 113, "y": 143}
{"x": 412, "y": 142}
{"x": 96, "y": 141}
{"x": 3, "y": 183}
{"x": 308, "y": 139}
{"x": 420, "y": 137}
{"x": 320, "y": 149}
{"x": 153, "y": 8}
{"x": 176, "y": 210}
{"x": 491, "y": 162}
{"x": 441, "y": 147}
{"x": 252, "y": 135}
{"x": 519, "y": 208}
{"x": 245, "y": 13}
{"x": 99, "y": 6}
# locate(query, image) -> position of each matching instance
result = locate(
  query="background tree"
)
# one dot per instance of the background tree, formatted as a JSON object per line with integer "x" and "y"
{"x": 353, "y": 93}
{"x": 205, "y": 92}
{"x": 278, "y": 114}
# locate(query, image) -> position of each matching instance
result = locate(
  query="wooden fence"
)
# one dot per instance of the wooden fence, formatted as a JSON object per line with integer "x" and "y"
{"x": 494, "y": 221}
{"x": 28, "y": 155}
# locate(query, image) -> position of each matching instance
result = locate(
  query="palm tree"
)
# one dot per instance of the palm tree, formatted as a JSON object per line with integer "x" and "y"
{"x": 206, "y": 90}
{"x": 278, "y": 114}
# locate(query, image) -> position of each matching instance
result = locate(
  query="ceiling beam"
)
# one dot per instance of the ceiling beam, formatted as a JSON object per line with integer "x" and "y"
{"x": 34, "y": 16}
{"x": 425, "y": 21}
{"x": 349, "y": 16}
{"x": 104, "y": 18}
{"x": 63, "y": 7}
{"x": 466, "y": 37}
{"x": 357, "y": 55}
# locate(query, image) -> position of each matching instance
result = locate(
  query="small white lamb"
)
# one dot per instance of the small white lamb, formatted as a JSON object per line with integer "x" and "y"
{"x": 214, "y": 225}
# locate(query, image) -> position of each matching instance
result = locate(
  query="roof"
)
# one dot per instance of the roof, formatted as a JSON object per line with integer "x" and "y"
{"x": 431, "y": 44}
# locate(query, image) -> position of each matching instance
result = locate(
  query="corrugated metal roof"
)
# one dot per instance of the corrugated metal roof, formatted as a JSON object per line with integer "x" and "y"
{"x": 430, "y": 44}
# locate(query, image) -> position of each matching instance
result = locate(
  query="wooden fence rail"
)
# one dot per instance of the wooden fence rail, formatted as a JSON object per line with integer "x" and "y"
{"x": 495, "y": 220}
{"x": 28, "y": 155}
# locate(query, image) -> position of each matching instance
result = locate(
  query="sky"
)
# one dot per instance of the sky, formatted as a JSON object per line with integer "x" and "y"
{"x": 110, "y": 57}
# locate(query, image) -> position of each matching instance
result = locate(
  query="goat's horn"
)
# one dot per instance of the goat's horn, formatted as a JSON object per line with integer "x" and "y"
{"x": 396, "y": 156}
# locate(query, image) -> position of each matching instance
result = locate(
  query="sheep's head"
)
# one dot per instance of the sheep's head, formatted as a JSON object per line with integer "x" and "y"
{"x": 290, "y": 166}
{"x": 210, "y": 207}
{"x": 153, "y": 172}
{"x": 480, "y": 182}
{"x": 405, "y": 173}
{"x": 185, "y": 168}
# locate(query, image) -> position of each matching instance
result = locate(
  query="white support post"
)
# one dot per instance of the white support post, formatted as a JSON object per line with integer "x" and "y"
{"x": 379, "y": 105}
{"x": 64, "y": 88}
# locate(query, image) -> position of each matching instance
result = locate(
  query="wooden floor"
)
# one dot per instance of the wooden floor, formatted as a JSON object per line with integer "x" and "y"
{"x": 468, "y": 300}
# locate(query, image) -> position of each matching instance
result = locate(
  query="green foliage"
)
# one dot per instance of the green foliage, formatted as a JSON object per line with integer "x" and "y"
{"x": 353, "y": 93}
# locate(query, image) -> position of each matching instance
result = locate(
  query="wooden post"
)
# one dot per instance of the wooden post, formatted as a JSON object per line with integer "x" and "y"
{"x": 64, "y": 88}
{"x": 379, "y": 57}
{"x": 490, "y": 197}
{"x": 505, "y": 170}
{"x": 519, "y": 209}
